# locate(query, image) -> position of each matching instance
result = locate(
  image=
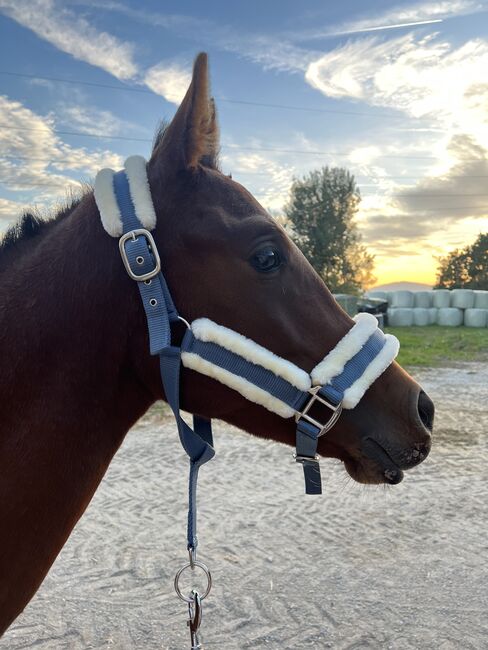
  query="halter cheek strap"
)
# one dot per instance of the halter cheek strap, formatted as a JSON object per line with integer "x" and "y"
{"x": 338, "y": 381}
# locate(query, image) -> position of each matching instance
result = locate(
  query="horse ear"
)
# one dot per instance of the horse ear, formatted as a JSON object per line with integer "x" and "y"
{"x": 192, "y": 138}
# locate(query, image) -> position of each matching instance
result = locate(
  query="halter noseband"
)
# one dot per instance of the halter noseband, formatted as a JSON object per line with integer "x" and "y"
{"x": 338, "y": 381}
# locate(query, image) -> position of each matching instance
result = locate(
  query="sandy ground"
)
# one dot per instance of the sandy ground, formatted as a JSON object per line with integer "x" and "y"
{"x": 402, "y": 567}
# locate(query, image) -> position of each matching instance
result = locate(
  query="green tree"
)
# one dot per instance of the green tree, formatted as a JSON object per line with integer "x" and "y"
{"x": 465, "y": 268}
{"x": 320, "y": 213}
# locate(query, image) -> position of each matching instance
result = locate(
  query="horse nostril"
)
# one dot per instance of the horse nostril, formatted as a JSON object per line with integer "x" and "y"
{"x": 426, "y": 409}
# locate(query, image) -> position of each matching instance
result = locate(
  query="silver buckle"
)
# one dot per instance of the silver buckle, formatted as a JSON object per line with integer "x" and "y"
{"x": 315, "y": 397}
{"x": 134, "y": 234}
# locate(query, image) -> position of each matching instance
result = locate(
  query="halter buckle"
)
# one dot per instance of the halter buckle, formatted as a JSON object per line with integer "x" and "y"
{"x": 134, "y": 234}
{"x": 316, "y": 397}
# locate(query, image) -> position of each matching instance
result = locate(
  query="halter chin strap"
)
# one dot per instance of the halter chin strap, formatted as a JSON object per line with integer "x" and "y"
{"x": 338, "y": 381}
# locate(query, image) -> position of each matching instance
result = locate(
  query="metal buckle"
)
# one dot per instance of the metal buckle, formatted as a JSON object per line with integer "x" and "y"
{"x": 315, "y": 397}
{"x": 134, "y": 234}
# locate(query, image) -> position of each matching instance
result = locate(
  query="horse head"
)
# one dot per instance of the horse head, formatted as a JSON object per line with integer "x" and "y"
{"x": 225, "y": 258}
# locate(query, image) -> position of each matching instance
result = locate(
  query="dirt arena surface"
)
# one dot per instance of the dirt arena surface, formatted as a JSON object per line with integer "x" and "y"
{"x": 401, "y": 567}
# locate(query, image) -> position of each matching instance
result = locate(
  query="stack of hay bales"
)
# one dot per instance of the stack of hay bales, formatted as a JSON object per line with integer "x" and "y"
{"x": 449, "y": 308}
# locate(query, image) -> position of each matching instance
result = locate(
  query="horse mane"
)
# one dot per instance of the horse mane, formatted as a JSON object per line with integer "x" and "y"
{"x": 31, "y": 227}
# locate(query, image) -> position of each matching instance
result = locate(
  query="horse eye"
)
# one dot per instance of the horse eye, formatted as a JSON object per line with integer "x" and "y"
{"x": 267, "y": 259}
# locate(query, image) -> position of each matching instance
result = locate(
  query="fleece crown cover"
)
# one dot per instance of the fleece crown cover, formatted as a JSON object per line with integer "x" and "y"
{"x": 140, "y": 192}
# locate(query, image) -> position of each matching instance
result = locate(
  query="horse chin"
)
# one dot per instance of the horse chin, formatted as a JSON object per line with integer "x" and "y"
{"x": 373, "y": 471}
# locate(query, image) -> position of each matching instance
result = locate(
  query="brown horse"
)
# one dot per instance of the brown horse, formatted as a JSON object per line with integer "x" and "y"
{"x": 76, "y": 370}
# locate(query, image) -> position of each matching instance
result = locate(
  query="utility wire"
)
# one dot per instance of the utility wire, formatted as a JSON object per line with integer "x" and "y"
{"x": 148, "y": 91}
{"x": 242, "y": 172}
{"x": 228, "y": 146}
{"x": 437, "y": 209}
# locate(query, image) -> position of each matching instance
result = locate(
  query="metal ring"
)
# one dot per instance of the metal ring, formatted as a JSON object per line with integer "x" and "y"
{"x": 153, "y": 302}
{"x": 205, "y": 570}
{"x": 183, "y": 320}
{"x": 140, "y": 259}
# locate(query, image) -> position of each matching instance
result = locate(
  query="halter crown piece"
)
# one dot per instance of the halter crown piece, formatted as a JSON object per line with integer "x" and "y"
{"x": 338, "y": 381}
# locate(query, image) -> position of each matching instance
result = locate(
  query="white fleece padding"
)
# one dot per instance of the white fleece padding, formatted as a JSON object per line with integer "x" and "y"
{"x": 333, "y": 364}
{"x": 107, "y": 203}
{"x": 355, "y": 392}
{"x": 239, "y": 384}
{"x": 206, "y": 330}
{"x": 135, "y": 169}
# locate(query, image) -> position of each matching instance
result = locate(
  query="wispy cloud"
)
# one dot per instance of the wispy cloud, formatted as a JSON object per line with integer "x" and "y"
{"x": 269, "y": 51}
{"x": 88, "y": 119}
{"x": 423, "y": 77}
{"x": 171, "y": 80}
{"x": 73, "y": 34}
{"x": 35, "y": 158}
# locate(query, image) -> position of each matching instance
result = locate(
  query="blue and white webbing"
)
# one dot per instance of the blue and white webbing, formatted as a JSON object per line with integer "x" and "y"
{"x": 338, "y": 381}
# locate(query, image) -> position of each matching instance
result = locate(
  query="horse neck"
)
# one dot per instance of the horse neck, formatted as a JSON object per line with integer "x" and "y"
{"x": 69, "y": 391}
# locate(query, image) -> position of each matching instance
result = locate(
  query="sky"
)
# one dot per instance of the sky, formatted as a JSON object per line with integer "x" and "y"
{"x": 395, "y": 92}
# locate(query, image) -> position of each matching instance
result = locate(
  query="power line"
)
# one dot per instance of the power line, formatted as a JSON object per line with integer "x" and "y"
{"x": 432, "y": 196}
{"x": 233, "y": 147}
{"x": 243, "y": 172}
{"x": 76, "y": 133}
{"x": 34, "y": 185}
{"x": 243, "y": 102}
{"x": 456, "y": 207}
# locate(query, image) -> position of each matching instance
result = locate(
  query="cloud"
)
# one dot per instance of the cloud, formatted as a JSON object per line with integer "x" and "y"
{"x": 460, "y": 192}
{"x": 269, "y": 51}
{"x": 9, "y": 212}
{"x": 423, "y": 77}
{"x": 271, "y": 188}
{"x": 88, "y": 119}
{"x": 35, "y": 158}
{"x": 72, "y": 34}
{"x": 170, "y": 80}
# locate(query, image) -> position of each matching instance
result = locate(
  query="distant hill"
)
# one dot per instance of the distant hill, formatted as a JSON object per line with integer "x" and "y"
{"x": 403, "y": 286}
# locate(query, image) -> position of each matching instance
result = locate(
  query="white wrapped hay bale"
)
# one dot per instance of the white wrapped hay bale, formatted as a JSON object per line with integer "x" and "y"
{"x": 462, "y": 298}
{"x": 432, "y": 315}
{"x": 450, "y": 317}
{"x": 383, "y": 295}
{"x": 402, "y": 299}
{"x": 481, "y": 299}
{"x": 441, "y": 298}
{"x": 400, "y": 317}
{"x": 476, "y": 317}
{"x": 423, "y": 299}
{"x": 421, "y": 317}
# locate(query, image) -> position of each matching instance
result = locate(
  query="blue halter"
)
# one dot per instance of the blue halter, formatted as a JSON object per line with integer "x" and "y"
{"x": 141, "y": 259}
